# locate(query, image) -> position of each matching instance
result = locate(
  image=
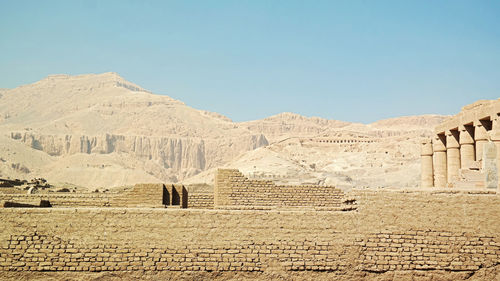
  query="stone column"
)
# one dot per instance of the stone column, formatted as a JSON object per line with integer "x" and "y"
{"x": 481, "y": 137}
{"x": 427, "y": 174}
{"x": 489, "y": 165}
{"x": 440, "y": 170}
{"x": 467, "y": 150}
{"x": 495, "y": 137}
{"x": 497, "y": 144}
{"x": 452, "y": 156}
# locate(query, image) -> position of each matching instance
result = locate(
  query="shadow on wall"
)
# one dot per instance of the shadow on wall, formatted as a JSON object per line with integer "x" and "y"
{"x": 42, "y": 204}
{"x": 175, "y": 195}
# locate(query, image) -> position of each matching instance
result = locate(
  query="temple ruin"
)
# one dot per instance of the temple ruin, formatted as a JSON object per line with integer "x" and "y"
{"x": 232, "y": 190}
{"x": 262, "y": 230}
{"x": 465, "y": 149}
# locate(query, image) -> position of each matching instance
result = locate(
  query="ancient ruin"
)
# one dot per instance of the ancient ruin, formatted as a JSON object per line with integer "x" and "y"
{"x": 287, "y": 197}
{"x": 232, "y": 191}
{"x": 465, "y": 149}
{"x": 253, "y": 227}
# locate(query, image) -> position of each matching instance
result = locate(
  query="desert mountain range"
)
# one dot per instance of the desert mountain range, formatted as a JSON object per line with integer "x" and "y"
{"x": 103, "y": 131}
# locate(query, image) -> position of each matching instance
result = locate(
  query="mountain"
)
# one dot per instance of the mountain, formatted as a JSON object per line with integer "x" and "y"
{"x": 80, "y": 119}
{"x": 288, "y": 124}
{"x": 99, "y": 130}
{"x": 409, "y": 123}
{"x": 385, "y": 153}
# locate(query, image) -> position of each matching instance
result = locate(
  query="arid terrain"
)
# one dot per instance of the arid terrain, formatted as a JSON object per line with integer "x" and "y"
{"x": 147, "y": 187}
{"x": 101, "y": 131}
{"x": 250, "y": 140}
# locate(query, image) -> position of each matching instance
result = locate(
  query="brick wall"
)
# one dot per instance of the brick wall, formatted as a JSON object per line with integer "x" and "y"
{"x": 61, "y": 199}
{"x": 201, "y": 200}
{"x": 378, "y": 252}
{"x": 393, "y": 231}
{"x": 428, "y": 250}
{"x": 36, "y": 252}
{"x": 140, "y": 195}
{"x": 234, "y": 190}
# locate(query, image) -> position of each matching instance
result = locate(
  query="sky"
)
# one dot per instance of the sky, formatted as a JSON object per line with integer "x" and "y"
{"x": 357, "y": 61}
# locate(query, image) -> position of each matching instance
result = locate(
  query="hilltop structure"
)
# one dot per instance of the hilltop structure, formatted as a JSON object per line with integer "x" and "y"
{"x": 465, "y": 149}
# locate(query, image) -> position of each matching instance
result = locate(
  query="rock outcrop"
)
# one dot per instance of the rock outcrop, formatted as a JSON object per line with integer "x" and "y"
{"x": 101, "y": 130}
{"x": 177, "y": 154}
{"x": 104, "y": 114}
{"x": 288, "y": 124}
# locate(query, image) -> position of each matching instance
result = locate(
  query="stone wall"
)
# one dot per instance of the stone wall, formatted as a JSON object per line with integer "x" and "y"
{"x": 32, "y": 251}
{"x": 140, "y": 195}
{"x": 61, "y": 199}
{"x": 391, "y": 231}
{"x": 201, "y": 200}
{"x": 234, "y": 190}
{"x": 428, "y": 250}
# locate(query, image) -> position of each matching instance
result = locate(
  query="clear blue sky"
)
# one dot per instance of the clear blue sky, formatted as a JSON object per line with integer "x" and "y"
{"x": 348, "y": 60}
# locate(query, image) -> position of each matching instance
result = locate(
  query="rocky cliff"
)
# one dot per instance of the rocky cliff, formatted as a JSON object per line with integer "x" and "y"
{"x": 288, "y": 124}
{"x": 103, "y": 131}
{"x": 104, "y": 114}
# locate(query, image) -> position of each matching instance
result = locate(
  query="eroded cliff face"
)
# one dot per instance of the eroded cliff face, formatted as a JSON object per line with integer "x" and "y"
{"x": 94, "y": 127}
{"x": 99, "y": 130}
{"x": 182, "y": 157}
{"x": 176, "y": 153}
{"x": 287, "y": 124}
{"x": 223, "y": 150}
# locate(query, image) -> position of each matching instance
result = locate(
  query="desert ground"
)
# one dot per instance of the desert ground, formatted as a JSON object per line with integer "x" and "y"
{"x": 101, "y": 179}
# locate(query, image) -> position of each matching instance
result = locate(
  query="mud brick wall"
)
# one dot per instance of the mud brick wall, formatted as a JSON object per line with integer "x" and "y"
{"x": 428, "y": 250}
{"x": 391, "y": 231}
{"x": 60, "y": 199}
{"x": 201, "y": 200}
{"x": 35, "y": 252}
{"x": 152, "y": 196}
{"x": 117, "y": 239}
{"x": 233, "y": 189}
{"x": 141, "y": 195}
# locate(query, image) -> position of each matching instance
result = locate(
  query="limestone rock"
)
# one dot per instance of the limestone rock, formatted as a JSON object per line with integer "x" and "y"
{"x": 100, "y": 130}
{"x": 104, "y": 114}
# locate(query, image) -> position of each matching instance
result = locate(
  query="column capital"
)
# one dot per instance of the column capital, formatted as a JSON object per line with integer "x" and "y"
{"x": 438, "y": 144}
{"x": 466, "y": 132}
{"x": 494, "y": 134}
{"x": 480, "y": 132}
{"x": 426, "y": 148}
{"x": 452, "y": 139}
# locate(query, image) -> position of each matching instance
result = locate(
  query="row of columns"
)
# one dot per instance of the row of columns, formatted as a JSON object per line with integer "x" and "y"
{"x": 458, "y": 148}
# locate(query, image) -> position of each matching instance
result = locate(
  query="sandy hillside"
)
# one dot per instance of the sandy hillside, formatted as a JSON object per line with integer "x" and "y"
{"x": 99, "y": 130}
{"x": 382, "y": 154}
{"x": 103, "y": 119}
